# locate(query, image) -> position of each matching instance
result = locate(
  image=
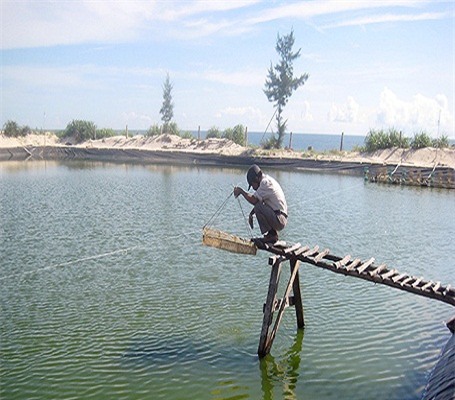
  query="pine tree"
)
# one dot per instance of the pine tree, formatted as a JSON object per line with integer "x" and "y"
{"x": 167, "y": 109}
{"x": 280, "y": 82}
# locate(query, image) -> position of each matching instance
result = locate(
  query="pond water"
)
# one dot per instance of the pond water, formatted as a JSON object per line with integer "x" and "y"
{"x": 107, "y": 291}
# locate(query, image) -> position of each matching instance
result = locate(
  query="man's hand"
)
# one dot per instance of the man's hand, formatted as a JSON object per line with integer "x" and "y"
{"x": 248, "y": 197}
{"x": 237, "y": 191}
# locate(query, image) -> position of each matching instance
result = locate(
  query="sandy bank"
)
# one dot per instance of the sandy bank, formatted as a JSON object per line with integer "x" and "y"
{"x": 173, "y": 147}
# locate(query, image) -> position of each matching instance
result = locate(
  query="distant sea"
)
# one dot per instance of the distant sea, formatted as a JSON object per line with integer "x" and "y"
{"x": 299, "y": 141}
{"x": 306, "y": 141}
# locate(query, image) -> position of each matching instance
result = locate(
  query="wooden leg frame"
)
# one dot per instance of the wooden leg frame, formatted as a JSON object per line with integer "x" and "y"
{"x": 273, "y": 304}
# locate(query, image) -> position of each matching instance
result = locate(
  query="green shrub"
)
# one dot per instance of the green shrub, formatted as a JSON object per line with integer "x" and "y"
{"x": 270, "y": 143}
{"x": 186, "y": 135}
{"x": 375, "y": 140}
{"x": 81, "y": 130}
{"x": 379, "y": 139}
{"x": 396, "y": 139}
{"x": 12, "y": 129}
{"x": 213, "y": 132}
{"x": 421, "y": 140}
{"x": 104, "y": 133}
{"x": 154, "y": 130}
{"x": 171, "y": 128}
{"x": 236, "y": 134}
{"x": 228, "y": 133}
{"x": 441, "y": 143}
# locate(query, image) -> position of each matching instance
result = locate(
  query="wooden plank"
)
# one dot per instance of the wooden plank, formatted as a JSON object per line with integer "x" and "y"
{"x": 399, "y": 277}
{"x": 353, "y": 264}
{"x": 447, "y": 289}
{"x": 320, "y": 256}
{"x": 294, "y": 247}
{"x": 407, "y": 280}
{"x": 389, "y": 274}
{"x": 311, "y": 252}
{"x": 342, "y": 262}
{"x": 365, "y": 265}
{"x": 427, "y": 285}
{"x": 378, "y": 270}
{"x": 417, "y": 282}
{"x": 436, "y": 287}
{"x": 300, "y": 250}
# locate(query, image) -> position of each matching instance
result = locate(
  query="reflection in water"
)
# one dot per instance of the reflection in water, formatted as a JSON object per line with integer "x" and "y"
{"x": 283, "y": 371}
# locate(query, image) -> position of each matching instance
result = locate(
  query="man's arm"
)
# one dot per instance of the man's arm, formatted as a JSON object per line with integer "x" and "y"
{"x": 248, "y": 197}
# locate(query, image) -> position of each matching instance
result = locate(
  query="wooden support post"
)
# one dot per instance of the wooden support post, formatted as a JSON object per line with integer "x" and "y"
{"x": 297, "y": 295}
{"x": 268, "y": 310}
{"x": 266, "y": 339}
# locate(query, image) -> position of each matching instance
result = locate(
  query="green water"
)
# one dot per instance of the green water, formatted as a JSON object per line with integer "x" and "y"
{"x": 107, "y": 292}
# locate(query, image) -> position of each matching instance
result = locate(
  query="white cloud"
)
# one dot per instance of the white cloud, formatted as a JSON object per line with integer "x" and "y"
{"x": 75, "y": 76}
{"x": 135, "y": 119}
{"x": 306, "y": 114}
{"x": 174, "y": 11}
{"x": 30, "y": 23}
{"x": 384, "y": 18}
{"x": 307, "y": 10}
{"x": 240, "y": 111}
{"x": 47, "y": 23}
{"x": 348, "y": 112}
{"x": 420, "y": 113}
{"x": 248, "y": 116}
{"x": 237, "y": 78}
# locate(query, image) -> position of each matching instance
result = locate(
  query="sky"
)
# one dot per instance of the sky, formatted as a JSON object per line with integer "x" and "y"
{"x": 371, "y": 64}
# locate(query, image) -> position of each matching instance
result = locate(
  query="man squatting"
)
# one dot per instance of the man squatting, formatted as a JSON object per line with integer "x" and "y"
{"x": 269, "y": 203}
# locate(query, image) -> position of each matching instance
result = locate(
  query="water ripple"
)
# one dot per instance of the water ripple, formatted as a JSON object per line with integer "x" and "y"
{"x": 107, "y": 292}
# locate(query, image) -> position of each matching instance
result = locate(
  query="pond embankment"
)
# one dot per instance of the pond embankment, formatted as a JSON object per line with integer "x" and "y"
{"x": 424, "y": 167}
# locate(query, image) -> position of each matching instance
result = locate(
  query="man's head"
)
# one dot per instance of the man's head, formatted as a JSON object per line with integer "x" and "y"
{"x": 254, "y": 176}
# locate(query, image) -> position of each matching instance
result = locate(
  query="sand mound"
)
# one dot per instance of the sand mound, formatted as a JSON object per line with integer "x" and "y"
{"x": 427, "y": 157}
{"x": 169, "y": 142}
{"x": 47, "y": 139}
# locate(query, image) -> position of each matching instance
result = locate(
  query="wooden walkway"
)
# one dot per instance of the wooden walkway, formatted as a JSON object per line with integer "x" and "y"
{"x": 441, "y": 384}
{"x": 367, "y": 270}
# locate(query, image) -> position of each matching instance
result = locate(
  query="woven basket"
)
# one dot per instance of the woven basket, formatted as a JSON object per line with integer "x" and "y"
{"x": 226, "y": 241}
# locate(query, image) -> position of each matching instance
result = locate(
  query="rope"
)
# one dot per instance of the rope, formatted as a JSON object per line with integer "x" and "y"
{"x": 220, "y": 208}
{"x": 122, "y": 252}
{"x": 244, "y": 219}
{"x": 217, "y": 212}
